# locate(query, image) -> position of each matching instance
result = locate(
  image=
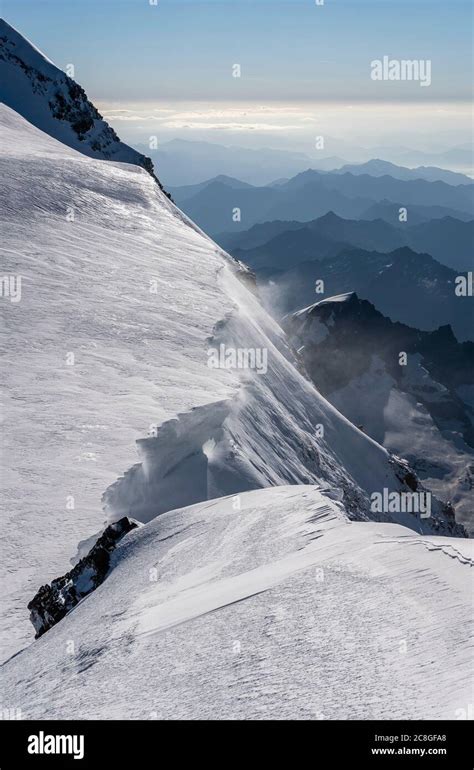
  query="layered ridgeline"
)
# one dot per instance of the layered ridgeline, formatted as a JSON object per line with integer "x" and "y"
{"x": 412, "y": 391}
{"x": 127, "y": 328}
{"x": 282, "y": 245}
{"x": 312, "y": 194}
{"x": 377, "y": 167}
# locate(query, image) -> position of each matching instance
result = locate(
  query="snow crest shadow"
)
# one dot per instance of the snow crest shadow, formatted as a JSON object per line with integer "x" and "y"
{"x": 174, "y": 469}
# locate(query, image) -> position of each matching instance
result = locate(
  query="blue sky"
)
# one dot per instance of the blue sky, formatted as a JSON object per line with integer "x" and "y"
{"x": 297, "y": 59}
{"x": 128, "y": 49}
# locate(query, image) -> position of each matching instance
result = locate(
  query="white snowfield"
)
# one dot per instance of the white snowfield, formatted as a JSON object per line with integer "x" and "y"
{"x": 269, "y": 604}
{"x": 248, "y": 603}
{"x": 121, "y": 298}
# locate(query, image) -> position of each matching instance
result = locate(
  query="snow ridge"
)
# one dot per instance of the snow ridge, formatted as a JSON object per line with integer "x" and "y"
{"x": 265, "y": 435}
{"x": 280, "y": 608}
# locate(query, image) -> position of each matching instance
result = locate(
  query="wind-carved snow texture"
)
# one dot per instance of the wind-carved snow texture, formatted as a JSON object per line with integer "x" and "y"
{"x": 174, "y": 471}
{"x": 264, "y": 436}
{"x": 271, "y": 604}
{"x": 135, "y": 294}
{"x": 121, "y": 298}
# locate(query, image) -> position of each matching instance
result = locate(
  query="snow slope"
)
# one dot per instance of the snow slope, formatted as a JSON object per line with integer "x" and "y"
{"x": 139, "y": 360}
{"x": 121, "y": 298}
{"x": 271, "y": 604}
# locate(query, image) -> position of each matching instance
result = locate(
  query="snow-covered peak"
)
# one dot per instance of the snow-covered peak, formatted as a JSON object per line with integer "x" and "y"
{"x": 414, "y": 407}
{"x": 24, "y": 49}
{"x": 52, "y": 101}
{"x": 350, "y": 296}
{"x": 337, "y": 299}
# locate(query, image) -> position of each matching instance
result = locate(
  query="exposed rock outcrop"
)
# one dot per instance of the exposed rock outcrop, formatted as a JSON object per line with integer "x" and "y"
{"x": 53, "y": 602}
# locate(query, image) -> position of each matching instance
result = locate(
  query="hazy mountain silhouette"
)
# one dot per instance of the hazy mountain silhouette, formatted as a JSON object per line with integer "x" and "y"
{"x": 311, "y": 194}
{"x": 282, "y": 244}
{"x": 390, "y": 212}
{"x": 377, "y": 167}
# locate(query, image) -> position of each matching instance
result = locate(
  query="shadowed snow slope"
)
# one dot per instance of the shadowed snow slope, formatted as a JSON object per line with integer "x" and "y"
{"x": 120, "y": 298}
{"x": 271, "y": 604}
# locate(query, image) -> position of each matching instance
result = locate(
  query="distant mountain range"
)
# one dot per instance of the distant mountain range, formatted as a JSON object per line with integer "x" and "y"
{"x": 377, "y": 167}
{"x": 423, "y": 410}
{"x": 185, "y": 162}
{"x": 390, "y": 212}
{"x": 459, "y": 157}
{"x": 282, "y": 245}
{"x": 408, "y": 287}
{"x": 219, "y": 206}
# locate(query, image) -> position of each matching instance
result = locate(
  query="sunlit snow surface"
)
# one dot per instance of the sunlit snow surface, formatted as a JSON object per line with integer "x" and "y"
{"x": 269, "y": 605}
{"x": 70, "y": 429}
{"x": 121, "y": 299}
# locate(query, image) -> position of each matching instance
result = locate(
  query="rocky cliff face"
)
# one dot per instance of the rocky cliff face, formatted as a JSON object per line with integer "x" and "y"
{"x": 53, "y": 602}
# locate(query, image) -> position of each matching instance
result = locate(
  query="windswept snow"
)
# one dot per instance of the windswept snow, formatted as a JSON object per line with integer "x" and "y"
{"x": 108, "y": 340}
{"x": 121, "y": 297}
{"x": 118, "y": 299}
{"x": 416, "y": 410}
{"x": 269, "y": 604}
{"x": 260, "y": 584}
